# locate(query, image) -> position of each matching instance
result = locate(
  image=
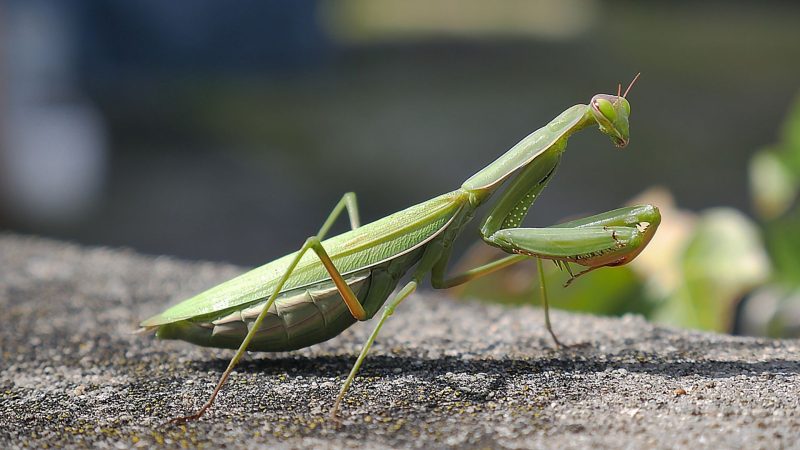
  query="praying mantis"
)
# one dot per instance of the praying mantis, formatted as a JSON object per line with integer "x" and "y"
{"x": 314, "y": 294}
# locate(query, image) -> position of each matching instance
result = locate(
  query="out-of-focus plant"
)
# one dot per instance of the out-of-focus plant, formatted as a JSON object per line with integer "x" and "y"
{"x": 775, "y": 171}
{"x": 701, "y": 268}
{"x": 714, "y": 259}
{"x": 774, "y": 309}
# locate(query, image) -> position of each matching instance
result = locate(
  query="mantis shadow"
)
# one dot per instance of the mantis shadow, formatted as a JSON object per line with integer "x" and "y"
{"x": 684, "y": 359}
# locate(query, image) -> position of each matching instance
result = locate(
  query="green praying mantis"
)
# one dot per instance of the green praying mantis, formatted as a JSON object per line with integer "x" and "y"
{"x": 314, "y": 294}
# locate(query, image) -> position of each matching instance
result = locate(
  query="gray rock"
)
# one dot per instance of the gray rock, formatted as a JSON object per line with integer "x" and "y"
{"x": 442, "y": 374}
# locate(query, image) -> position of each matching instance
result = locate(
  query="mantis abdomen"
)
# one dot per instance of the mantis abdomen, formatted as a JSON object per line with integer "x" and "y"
{"x": 299, "y": 317}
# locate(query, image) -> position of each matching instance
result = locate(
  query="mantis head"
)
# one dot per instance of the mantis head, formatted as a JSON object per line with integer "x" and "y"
{"x": 611, "y": 113}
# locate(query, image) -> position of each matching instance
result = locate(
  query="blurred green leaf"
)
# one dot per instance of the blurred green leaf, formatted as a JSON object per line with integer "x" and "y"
{"x": 723, "y": 260}
{"x": 783, "y": 240}
{"x": 772, "y": 184}
{"x": 790, "y": 138}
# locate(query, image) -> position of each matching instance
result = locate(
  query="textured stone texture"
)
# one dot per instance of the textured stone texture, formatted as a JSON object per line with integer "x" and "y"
{"x": 443, "y": 373}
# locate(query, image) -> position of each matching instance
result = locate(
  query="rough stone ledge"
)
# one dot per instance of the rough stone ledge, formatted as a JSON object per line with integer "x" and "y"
{"x": 443, "y": 373}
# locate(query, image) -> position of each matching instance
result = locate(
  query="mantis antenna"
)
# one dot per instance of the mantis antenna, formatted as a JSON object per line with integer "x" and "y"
{"x": 631, "y": 85}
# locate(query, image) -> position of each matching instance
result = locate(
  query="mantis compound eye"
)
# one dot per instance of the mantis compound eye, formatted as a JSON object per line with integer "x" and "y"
{"x": 625, "y": 105}
{"x": 605, "y": 108}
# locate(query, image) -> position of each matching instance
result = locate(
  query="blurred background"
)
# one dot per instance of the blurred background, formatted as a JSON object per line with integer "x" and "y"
{"x": 227, "y": 132}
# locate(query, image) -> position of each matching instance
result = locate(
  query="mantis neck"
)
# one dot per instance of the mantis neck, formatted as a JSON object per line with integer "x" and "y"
{"x": 550, "y": 138}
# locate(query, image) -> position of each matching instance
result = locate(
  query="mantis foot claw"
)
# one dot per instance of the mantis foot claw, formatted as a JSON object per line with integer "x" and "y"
{"x": 559, "y": 344}
{"x": 180, "y": 420}
{"x": 184, "y": 419}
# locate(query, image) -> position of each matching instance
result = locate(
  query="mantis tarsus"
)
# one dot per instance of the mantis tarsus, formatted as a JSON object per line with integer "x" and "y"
{"x": 308, "y": 297}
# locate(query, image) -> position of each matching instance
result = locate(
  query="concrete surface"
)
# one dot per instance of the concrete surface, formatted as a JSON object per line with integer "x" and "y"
{"x": 443, "y": 373}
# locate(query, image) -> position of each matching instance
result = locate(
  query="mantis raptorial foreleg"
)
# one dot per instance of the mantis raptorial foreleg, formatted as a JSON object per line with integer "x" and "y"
{"x": 348, "y": 201}
{"x": 606, "y": 239}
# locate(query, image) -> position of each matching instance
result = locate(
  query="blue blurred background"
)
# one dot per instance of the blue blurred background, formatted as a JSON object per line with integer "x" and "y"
{"x": 228, "y": 130}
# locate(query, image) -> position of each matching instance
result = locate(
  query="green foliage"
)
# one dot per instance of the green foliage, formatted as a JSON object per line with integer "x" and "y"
{"x": 722, "y": 260}
{"x": 774, "y": 310}
{"x": 775, "y": 181}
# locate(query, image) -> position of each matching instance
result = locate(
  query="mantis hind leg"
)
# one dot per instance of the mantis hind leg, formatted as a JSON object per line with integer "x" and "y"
{"x": 388, "y": 310}
{"x": 348, "y": 202}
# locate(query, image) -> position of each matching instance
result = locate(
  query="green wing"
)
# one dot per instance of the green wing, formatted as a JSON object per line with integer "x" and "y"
{"x": 358, "y": 249}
